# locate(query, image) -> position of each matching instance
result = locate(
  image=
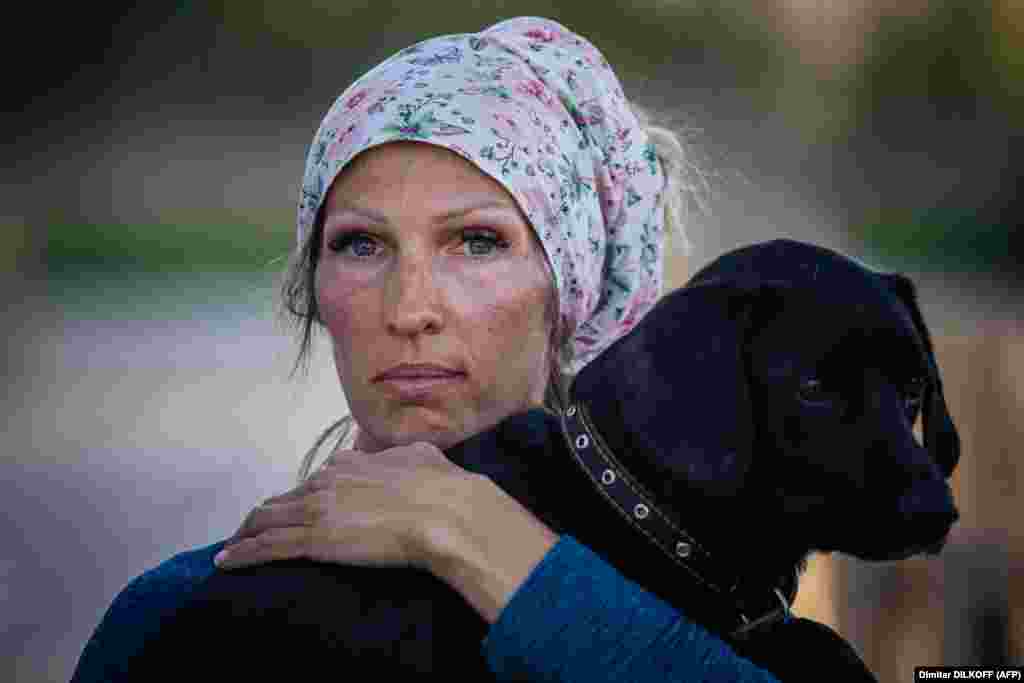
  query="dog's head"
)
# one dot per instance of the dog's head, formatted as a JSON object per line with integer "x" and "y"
{"x": 780, "y": 387}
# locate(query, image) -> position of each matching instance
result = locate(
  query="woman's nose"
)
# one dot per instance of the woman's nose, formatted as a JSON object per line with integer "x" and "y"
{"x": 415, "y": 307}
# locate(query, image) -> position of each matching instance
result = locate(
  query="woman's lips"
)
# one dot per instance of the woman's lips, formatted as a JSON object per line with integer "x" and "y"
{"x": 417, "y": 371}
{"x": 410, "y": 387}
{"x": 412, "y": 382}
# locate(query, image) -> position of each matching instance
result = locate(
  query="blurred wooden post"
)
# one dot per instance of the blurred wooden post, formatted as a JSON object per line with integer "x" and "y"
{"x": 1014, "y": 513}
{"x": 989, "y": 537}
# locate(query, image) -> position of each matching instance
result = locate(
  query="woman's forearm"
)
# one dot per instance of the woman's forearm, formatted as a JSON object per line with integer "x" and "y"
{"x": 557, "y": 610}
{"x": 577, "y": 619}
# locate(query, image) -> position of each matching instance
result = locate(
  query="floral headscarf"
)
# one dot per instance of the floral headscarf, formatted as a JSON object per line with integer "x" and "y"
{"x": 537, "y": 108}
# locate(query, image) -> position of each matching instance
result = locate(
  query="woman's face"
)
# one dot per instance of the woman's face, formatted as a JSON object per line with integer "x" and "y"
{"x": 426, "y": 260}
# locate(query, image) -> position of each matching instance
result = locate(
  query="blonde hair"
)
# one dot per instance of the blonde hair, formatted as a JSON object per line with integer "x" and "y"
{"x": 686, "y": 180}
{"x": 685, "y": 187}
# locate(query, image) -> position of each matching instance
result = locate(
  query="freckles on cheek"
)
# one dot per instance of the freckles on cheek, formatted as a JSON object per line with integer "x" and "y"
{"x": 493, "y": 298}
{"x": 338, "y": 301}
{"x": 503, "y": 308}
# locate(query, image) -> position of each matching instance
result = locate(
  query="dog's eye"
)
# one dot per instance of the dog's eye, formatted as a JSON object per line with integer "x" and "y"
{"x": 813, "y": 391}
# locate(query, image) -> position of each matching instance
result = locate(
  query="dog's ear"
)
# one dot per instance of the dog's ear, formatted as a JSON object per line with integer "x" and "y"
{"x": 940, "y": 435}
{"x": 673, "y": 398}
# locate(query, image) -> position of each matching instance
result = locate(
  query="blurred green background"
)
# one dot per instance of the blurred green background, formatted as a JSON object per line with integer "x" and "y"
{"x": 899, "y": 120}
{"x": 152, "y": 170}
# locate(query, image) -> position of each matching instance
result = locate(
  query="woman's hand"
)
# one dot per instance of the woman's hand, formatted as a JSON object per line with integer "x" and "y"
{"x": 404, "y": 506}
{"x": 377, "y": 509}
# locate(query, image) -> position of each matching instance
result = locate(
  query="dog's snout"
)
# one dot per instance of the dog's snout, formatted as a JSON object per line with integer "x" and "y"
{"x": 928, "y": 509}
{"x": 924, "y": 515}
{"x": 900, "y": 449}
{"x": 927, "y": 496}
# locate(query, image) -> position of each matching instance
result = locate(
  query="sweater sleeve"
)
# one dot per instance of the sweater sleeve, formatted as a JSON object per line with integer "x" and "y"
{"x": 575, "y": 618}
{"x": 137, "y": 612}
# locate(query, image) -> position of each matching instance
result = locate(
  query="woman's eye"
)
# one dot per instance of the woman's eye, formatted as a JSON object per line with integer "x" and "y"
{"x": 361, "y": 244}
{"x": 482, "y": 243}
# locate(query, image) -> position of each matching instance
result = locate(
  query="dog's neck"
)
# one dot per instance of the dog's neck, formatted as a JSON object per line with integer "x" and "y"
{"x": 735, "y": 555}
{"x": 544, "y": 477}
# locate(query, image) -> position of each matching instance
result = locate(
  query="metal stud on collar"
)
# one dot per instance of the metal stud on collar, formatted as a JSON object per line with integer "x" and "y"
{"x": 608, "y": 477}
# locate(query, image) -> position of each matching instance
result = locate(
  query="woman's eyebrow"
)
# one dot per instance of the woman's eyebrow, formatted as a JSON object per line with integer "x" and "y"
{"x": 364, "y": 212}
{"x": 455, "y": 211}
{"x": 470, "y": 207}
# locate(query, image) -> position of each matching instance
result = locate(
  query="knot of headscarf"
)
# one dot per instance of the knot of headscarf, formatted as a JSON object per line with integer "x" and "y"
{"x": 537, "y": 108}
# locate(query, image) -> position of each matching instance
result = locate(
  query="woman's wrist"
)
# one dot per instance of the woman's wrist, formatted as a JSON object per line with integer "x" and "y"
{"x": 486, "y": 546}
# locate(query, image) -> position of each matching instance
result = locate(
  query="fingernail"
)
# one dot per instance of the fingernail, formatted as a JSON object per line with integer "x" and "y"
{"x": 219, "y": 558}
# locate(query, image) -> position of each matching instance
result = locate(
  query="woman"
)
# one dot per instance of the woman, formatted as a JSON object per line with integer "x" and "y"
{"x": 481, "y": 215}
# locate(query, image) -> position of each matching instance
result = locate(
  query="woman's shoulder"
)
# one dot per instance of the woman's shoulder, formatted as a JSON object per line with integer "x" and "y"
{"x": 174, "y": 574}
{"x": 163, "y": 587}
{"x": 138, "y": 610}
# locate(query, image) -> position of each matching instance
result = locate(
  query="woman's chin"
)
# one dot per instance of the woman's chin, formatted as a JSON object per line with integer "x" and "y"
{"x": 409, "y": 425}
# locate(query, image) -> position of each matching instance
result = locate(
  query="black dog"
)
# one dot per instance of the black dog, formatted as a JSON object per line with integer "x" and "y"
{"x": 760, "y": 413}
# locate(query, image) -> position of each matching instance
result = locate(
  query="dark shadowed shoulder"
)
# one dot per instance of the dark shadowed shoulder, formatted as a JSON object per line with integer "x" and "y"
{"x": 138, "y": 610}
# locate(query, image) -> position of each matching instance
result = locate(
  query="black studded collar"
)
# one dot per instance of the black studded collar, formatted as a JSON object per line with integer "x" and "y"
{"x": 754, "y": 608}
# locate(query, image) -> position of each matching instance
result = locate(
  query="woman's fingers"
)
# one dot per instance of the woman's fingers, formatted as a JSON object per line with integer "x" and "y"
{"x": 296, "y": 494}
{"x": 293, "y": 513}
{"x": 359, "y": 508}
{"x": 315, "y": 483}
{"x": 285, "y": 543}
{"x": 306, "y": 505}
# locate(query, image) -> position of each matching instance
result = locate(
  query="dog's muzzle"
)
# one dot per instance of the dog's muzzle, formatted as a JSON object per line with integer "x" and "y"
{"x": 928, "y": 513}
{"x": 920, "y": 523}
